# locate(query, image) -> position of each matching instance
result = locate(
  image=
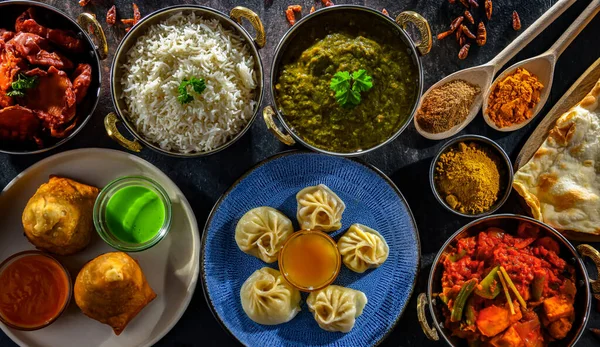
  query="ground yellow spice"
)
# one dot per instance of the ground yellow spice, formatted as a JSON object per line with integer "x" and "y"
{"x": 467, "y": 178}
{"x": 513, "y": 98}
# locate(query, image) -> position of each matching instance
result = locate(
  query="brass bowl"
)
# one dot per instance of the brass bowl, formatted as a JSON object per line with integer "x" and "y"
{"x": 509, "y": 222}
{"x": 316, "y": 22}
{"x": 231, "y": 22}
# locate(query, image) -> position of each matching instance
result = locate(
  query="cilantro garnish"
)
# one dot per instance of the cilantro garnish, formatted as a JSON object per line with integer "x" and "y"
{"x": 348, "y": 87}
{"x": 198, "y": 85}
{"x": 22, "y": 84}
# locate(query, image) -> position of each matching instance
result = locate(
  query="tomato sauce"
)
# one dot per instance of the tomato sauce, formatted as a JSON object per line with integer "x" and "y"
{"x": 33, "y": 291}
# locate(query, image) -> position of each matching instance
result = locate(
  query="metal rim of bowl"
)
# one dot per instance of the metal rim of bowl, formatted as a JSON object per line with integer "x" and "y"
{"x": 69, "y": 288}
{"x": 509, "y": 216}
{"x": 141, "y": 26}
{"x": 266, "y": 161}
{"x": 98, "y": 66}
{"x": 278, "y": 55}
{"x": 489, "y": 142}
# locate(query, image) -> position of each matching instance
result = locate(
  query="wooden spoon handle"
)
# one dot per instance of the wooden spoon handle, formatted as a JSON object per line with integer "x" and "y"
{"x": 574, "y": 29}
{"x": 530, "y": 33}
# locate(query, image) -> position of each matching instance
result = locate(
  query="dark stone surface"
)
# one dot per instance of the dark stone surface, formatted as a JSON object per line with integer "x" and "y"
{"x": 406, "y": 160}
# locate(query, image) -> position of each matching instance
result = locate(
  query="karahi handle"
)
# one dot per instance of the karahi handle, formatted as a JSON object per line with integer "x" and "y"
{"x": 239, "y": 12}
{"x": 89, "y": 23}
{"x": 430, "y": 332}
{"x": 110, "y": 125}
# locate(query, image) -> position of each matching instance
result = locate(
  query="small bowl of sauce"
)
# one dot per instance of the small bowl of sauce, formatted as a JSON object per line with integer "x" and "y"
{"x": 309, "y": 260}
{"x": 35, "y": 289}
{"x": 132, "y": 213}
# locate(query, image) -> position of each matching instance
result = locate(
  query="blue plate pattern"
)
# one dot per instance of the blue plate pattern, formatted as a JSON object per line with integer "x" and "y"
{"x": 371, "y": 199}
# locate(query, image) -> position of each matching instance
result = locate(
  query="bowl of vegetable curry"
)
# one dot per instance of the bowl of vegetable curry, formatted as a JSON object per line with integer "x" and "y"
{"x": 508, "y": 280}
{"x": 347, "y": 79}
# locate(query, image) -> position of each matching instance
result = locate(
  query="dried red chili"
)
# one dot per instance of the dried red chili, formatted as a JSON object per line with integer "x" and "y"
{"x": 312, "y": 9}
{"x": 474, "y": 3}
{"x": 137, "y": 16}
{"x": 516, "y": 21}
{"x": 481, "y": 34}
{"x": 295, "y": 8}
{"x": 289, "y": 14}
{"x": 384, "y": 11}
{"x": 456, "y": 23}
{"x": 327, "y": 3}
{"x": 127, "y": 21}
{"x": 467, "y": 32}
{"x": 111, "y": 16}
{"x": 465, "y": 3}
{"x": 443, "y": 35}
{"x": 83, "y": 2}
{"x": 469, "y": 17}
{"x": 488, "y": 9}
{"x": 464, "y": 51}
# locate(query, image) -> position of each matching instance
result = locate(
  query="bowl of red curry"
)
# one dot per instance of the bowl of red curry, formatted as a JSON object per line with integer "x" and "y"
{"x": 507, "y": 280}
{"x": 35, "y": 289}
{"x": 50, "y": 75}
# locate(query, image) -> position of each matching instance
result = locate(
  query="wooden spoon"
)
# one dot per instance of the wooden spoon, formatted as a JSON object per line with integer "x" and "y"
{"x": 543, "y": 66}
{"x": 483, "y": 75}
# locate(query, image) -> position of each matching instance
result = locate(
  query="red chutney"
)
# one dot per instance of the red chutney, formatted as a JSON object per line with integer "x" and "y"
{"x": 34, "y": 289}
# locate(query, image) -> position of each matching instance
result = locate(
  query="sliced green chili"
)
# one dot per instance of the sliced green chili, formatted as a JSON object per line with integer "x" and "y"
{"x": 489, "y": 288}
{"x": 461, "y": 299}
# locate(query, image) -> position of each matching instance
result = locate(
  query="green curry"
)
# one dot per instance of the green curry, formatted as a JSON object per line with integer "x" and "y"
{"x": 308, "y": 104}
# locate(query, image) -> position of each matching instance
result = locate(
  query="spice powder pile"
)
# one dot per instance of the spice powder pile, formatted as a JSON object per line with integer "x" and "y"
{"x": 446, "y": 106}
{"x": 513, "y": 98}
{"x": 468, "y": 179}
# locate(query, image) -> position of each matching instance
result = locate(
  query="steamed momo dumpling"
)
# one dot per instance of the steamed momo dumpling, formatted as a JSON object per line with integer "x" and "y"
{"x": 268, "y": 299}
{"x": 262, "y": 231}
{"x": 362, "y": 248}
{"x": 335, "y": 308}
{"x": 319, "y": 208}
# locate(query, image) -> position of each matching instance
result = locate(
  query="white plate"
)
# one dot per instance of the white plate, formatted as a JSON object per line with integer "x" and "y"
{"x": 171, "y": 267}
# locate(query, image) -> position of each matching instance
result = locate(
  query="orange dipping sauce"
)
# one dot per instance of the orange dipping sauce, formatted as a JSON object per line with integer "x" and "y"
{"x": 34, "y": 290}
{"x": 309, "y": 260}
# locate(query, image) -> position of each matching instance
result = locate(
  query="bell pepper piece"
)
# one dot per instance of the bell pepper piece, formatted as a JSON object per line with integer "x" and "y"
{"x": 537, "y": 285}
{"x": 514, "y": 289}
{"x": 457, "y": 256}
{"x": 489, "y": 287}
{"x": 470, "y": 311}
{"x": 461, "y": 300}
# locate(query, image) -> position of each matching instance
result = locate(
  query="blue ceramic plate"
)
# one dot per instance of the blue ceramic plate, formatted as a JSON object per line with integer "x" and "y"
{"x": 371, "y": 199}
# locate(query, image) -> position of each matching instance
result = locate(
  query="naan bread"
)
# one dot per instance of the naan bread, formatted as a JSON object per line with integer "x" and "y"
{"x": 561, "y": 183}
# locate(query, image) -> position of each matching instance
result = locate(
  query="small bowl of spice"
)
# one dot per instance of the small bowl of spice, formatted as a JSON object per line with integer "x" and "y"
{"x": 446, "y": 109}
{"x": 471, "y": 176}
{"x": 514, "y": 100}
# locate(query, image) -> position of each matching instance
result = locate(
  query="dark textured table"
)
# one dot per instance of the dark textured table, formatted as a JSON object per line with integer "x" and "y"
{"x": 406, "y": 160}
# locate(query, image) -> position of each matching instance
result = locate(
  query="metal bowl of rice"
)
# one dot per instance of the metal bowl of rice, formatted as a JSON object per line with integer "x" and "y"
{"x": 181, "y": 43}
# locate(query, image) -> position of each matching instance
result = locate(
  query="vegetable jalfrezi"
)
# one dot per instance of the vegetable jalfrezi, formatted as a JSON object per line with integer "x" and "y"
{"x": 505, "y": 290}
{"x": 40, "y": 83}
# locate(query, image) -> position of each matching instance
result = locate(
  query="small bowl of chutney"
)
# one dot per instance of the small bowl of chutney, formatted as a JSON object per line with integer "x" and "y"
{"x": 309, "y": 260}
{"x": 35, "y": 289}
{"x": 132, "y": 213}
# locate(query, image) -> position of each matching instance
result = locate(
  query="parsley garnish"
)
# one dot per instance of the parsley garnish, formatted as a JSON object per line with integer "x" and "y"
{"x": 198, "y": 85}
{"x": 22, "y": 84}
{"x": 348, "y": 87}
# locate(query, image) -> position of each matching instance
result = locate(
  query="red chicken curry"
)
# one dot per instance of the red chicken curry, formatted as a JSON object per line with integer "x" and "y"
{"x": 508, "y": 291}
{"x": 40, "y": 86}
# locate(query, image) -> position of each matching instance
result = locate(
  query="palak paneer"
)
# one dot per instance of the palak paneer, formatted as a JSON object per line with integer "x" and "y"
{"x": 308, "y": 102}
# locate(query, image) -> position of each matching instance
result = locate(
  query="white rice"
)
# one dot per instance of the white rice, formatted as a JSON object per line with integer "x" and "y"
{"x": 186, "y": 46}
